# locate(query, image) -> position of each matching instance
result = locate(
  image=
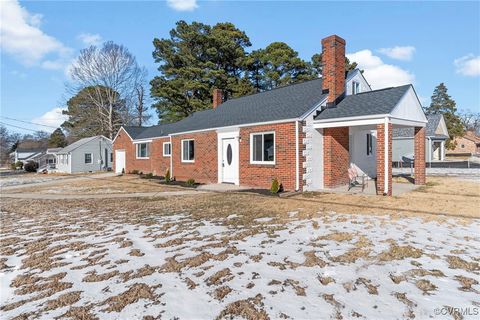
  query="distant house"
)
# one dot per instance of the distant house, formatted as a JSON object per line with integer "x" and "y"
{"x": 27, "y": 154}
{"x": 467, "y": 145}
{"x": 436, "y": 134}
{"x": 85, "y": 155}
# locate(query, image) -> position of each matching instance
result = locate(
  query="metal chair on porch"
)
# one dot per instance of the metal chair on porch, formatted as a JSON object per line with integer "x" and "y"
{"x": 356, "y": 180}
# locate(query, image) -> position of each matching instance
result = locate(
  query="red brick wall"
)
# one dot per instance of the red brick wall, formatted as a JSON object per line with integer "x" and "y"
{"x": 156, "y": 164}
{"x": 381, "y": 159}
{"x": 336, "y": 157}
{"x": 204, "y": 169}
{"x": 419, "y": 149}
{"x": 284, "y": 168}
{"x": 333, "y": 60}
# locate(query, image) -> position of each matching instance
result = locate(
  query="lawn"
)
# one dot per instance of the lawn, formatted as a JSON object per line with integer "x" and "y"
{"x": 207, "y": 256}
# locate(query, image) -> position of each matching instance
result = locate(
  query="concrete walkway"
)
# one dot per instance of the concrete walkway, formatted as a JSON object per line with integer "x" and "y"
{"x": 43, "y": 196}
{"x": 222, "y": 187}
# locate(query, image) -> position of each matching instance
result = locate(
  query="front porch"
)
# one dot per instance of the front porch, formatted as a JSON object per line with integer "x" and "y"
{"x": 398, "y": 188}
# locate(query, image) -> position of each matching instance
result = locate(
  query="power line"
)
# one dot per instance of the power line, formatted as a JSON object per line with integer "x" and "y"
{"x": 14, "y": 126}
{"x": 28, "y": 122}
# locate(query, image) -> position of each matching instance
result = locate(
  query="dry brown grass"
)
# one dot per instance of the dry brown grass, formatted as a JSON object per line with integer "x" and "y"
{"x": 221, "y": 292}
{"x": 133, "y": 294}
{"x": 397, "y": 252}
{"x": 66, "y": 299}
{"x": 425, "y": 285}
{"x": 250, "y": 309}
{"x": 455, "y": 262}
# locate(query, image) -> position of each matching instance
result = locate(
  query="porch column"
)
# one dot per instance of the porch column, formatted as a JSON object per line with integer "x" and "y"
{"x": 419, "y": 149}
{"x": 384, "y": 159}
{"x": 442, "y": 150}
{"x": 336, "y": 157}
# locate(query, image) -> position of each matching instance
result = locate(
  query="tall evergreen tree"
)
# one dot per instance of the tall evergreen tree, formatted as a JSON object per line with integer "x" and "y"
{"x": 277, "y": 65}
{"x": 194, "y": 60}
{"x": 442, "y": 103}
{"x": 57, "y": 139}
{"x": 316, "y": 64}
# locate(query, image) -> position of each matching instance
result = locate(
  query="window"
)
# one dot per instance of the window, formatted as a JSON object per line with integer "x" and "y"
{"x": 369, "y": 144}
{"x": 111, "y": 156}
{"x": 188, "y": 150}
{"x": 88, "y": 158}
{"x": 262, "y": 148}
{"x": 143, "y": 151}
{"x": 355, "y": 87}
{"x": 167, "y": 149}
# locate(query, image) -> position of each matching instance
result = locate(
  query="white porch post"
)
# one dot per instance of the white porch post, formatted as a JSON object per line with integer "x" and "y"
{"x": 442, "y": 151}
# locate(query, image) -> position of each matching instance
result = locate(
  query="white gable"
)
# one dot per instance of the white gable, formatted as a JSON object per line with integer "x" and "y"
{"x": 409, "y": 108}
{"x": 442, "y": 127}
{"x": 356, "y": 76}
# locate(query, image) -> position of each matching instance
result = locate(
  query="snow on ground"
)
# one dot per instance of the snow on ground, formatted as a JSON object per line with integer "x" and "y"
{"x": 15, "y": 180}
{"x": 79, "y": 264}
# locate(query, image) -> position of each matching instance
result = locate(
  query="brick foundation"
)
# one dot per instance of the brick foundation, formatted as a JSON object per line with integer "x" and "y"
{"x": 336, "y": 157}
{"x": 381, "y": 160}
{"x": 419, "y": 149}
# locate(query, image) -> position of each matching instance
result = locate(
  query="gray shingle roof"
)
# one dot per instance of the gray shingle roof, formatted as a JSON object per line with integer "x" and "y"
{"x": 76, "y": 144}
{"x": 432, "y": 125}
{"x": 133, "y": 131}
{"x": 381, "y": 101}
{"x": 282, "y": 103}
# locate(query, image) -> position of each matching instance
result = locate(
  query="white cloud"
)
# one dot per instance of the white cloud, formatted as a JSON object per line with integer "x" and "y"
{"x": 183, "y": 5}
{"x": 90, "y": 39}
{"x": 53, "y": 118}
{"x": 468, "y": 65}
{"x": 21, "y": 37}
{"x": 399, "y": 53}
{"x": 379, "y": 74}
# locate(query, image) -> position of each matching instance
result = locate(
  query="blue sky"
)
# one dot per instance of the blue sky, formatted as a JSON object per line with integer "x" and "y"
{"x": 395, "y": 42}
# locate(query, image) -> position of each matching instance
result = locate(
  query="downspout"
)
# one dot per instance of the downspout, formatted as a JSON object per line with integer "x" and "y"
{"x": 385, "y": 169}
{"x": 297, "y": 167}
{"x": 171, "y": 158}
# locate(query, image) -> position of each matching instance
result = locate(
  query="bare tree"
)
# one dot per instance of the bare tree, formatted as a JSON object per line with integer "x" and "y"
{"x": 470, "y": 121}
{"x": 111, "y": 73}
{"x": 140, "y": 110}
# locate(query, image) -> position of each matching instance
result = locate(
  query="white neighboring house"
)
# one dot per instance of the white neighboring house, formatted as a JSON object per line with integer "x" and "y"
{"x": 27, "y": 154}
{"x": 86, "y": 155}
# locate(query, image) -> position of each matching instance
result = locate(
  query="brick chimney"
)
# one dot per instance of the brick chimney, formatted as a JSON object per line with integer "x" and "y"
{"x": 217, "y": 98}
{"x": 333, "y": 67}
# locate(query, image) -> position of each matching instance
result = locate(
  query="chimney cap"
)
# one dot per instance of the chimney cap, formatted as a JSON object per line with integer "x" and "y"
{"x": 335, "y": 38}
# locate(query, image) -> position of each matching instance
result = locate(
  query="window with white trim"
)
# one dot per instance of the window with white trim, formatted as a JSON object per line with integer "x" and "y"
{"x": 262, "y": 148}
{"x": 167, "y": 149}
{"x": 188, "y": 150}
{"x": 143, "y": 150}
{"x": 88, "y": 158}
{"x": 355, "y": 87}
{"x": 369, "y": 144}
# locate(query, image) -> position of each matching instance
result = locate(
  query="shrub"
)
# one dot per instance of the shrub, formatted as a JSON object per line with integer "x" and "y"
{"x": 31, "y": 166}
{"x": 190, "y": 182}
{"x": 275, "y": 188}
{"x": 134, "y": 171}
{"x": 123, "y": 170}
{"x": 19, "y": 165}
{"x": 13, "y": 166}
{"x": 148, "y": 176}
{"x": 167, "y": 176}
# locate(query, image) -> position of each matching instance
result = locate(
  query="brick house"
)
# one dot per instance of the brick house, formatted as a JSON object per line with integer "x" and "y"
{"x": 468, "y": 145}
{"x": 306, "y": 135}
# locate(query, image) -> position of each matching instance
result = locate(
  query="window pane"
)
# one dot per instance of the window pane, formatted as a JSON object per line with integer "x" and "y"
{"x": 185, "y": 150}
{"x": 268, "y": 147}
{"x": 88, "y": 158}
{"x": 257, "y": 147}
{"x": 191, "y": 150}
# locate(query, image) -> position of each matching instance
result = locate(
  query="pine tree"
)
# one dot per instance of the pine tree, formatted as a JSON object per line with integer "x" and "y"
{"x": 57, "y": 139}
{"x": 443, "y": 104}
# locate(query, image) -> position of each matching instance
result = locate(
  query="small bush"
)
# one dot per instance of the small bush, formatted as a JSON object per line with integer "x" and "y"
{"x": 134, "y": 171}
{"x": 148, "y": 176}
{"x": 190, "y": 182}
{"x": 275, "y": 188}
{"x": 123, "y": 170}
{"x": 31, "y": 166}
{"x": 167, "y": 176}
{"x": 19, "y": 165}
{"x": 13, "y": 166}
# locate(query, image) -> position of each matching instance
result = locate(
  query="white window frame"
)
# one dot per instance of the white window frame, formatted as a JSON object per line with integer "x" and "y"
{"x": 170, "y": 147}
{"x": 355, "y": 87}
{"x": 181, "y": 155}
{"x": 263, "y": 142}
{"x": 85, "y": 159}
{"x": 148, "y": 150}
